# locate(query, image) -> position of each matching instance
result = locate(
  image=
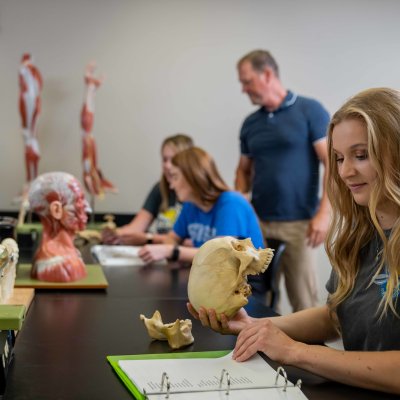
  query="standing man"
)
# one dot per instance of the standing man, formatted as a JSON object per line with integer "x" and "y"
{"x": 282, "y": 145}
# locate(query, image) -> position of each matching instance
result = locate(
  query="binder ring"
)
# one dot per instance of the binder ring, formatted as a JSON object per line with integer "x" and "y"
{"x": 224, "y": 372}
{"x": 165, "y": 378}
{"x": 278, "y": 371}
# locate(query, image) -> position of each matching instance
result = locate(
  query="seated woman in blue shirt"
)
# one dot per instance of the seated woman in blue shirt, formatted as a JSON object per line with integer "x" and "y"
{"x": 210, "y": 209}
{"x": 160, "y": 208}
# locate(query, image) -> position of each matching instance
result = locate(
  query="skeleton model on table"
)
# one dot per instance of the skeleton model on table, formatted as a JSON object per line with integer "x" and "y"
{"x": 9, "y": 253}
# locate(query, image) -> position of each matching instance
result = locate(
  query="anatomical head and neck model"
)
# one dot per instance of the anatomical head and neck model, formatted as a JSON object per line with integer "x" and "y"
{"x": 59, "y": 200}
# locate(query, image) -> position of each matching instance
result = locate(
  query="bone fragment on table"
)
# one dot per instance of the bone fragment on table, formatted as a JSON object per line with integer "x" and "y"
{"x": 178, "y": 333}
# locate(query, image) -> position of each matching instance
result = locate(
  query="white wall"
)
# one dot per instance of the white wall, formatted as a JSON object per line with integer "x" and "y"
{"x": 170, "y": 67}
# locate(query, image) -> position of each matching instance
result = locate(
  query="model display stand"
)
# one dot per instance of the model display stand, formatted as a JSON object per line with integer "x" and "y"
{"x": 95, "y": 279}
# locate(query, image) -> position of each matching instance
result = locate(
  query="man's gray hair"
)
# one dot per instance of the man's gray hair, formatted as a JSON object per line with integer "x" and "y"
{"x": 259, "y": 60}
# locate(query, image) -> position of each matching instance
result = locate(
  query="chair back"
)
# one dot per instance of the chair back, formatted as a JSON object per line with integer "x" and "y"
{"x": 265, "y": 287}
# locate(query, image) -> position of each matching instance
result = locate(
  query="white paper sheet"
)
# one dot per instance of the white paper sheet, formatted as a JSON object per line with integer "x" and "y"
{"x": 119, "y": 256}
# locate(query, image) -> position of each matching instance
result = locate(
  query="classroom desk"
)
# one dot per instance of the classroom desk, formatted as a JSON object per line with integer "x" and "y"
{"x": 61, "y": 350}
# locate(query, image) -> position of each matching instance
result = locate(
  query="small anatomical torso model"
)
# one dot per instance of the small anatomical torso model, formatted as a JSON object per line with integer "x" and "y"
{"x": 218, "y": 274}
{"x": 58, "y": 199}
{"x": 30, "y": 83}
{"x": 93, "y": 179}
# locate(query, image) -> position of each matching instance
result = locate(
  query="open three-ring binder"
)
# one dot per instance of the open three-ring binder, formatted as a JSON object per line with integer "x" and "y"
{"x": 203, "y": 375}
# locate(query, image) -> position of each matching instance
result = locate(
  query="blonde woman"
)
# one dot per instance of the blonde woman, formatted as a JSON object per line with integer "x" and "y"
{"x": 161, "y": 206}
{"x": 363, "y": 246}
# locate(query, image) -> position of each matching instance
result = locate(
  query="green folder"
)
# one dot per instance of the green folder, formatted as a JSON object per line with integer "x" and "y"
{"x": 11, "y": 316}
{"x": 113, "y": 360}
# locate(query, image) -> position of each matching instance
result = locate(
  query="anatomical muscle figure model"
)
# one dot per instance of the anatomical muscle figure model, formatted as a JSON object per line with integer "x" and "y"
{"x": 59, "y": 200}
{"x": 93, "y": 179}
{"x": 30, "y": 83}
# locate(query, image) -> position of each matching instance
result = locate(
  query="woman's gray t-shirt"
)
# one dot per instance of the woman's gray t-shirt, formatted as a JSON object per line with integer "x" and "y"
{"x": 360, "y": 315}
{"x": 163, "y": 221}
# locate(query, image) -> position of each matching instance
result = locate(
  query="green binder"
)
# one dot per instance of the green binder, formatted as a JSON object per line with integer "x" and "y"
{"x": 113, "y": 360}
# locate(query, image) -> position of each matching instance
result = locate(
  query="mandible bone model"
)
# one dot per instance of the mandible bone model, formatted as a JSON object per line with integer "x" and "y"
{"x": 178, "y": 333}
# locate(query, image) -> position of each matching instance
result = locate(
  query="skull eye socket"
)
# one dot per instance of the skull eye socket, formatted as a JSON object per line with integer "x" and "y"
{"x": 238, "y": 246}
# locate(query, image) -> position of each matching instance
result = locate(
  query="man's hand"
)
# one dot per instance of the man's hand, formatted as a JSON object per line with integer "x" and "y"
{"x": 318, "y": 228}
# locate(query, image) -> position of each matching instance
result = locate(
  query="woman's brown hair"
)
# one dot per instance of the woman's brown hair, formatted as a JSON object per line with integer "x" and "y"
{"x": 179, "y": 142}
{"x": 201, "y": 173}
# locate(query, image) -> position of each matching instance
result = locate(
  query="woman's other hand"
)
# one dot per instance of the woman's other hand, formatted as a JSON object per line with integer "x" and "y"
{"x": 263, "y": 335}
{"x": 155, "y": 252}
{"x": 110, "y": 236}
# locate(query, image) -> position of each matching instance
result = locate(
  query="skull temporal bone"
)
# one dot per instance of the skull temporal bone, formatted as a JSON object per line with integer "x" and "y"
{"x": 218, "y": 276}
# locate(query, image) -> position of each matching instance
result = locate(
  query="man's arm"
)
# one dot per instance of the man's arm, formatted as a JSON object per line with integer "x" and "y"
{"x": 244, "y": 175}
{"x": 133, "y": 233}
{"x": 319, "y": 224}
{"x": 321, "y": 148}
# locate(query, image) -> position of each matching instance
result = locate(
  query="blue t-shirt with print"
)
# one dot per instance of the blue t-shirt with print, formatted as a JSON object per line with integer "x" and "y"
{"x": 231, "y": 215}
{"x": 286, "y": 166}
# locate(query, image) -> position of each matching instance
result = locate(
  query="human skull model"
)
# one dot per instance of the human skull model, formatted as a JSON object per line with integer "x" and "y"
{"x": 178, "y": 333}
{"x": 218, "y": 276}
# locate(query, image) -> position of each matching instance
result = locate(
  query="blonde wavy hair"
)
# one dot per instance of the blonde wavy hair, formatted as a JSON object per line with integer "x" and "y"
{"x": 178, "y": 142}
{"x": 353, "y": 226}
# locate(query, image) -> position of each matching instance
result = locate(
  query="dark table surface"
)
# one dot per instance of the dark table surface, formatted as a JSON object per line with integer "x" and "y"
{"x": 60, "y": 353}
